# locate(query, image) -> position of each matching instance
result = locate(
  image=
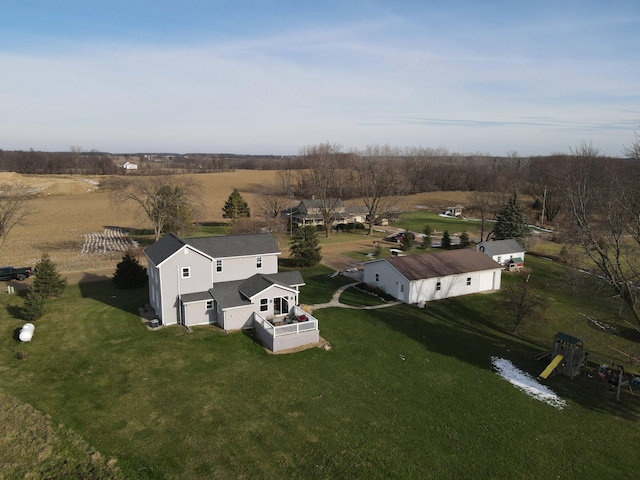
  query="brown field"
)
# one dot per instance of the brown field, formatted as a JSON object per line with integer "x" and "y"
{"x": 69, "y": 207}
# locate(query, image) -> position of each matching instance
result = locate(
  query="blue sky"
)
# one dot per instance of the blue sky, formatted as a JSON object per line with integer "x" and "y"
{"x": 254, "y": 77}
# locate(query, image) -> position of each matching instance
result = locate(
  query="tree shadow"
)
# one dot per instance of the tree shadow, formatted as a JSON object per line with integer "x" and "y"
{"x": 102, "y": 289}
{"x": 440, "y": 329}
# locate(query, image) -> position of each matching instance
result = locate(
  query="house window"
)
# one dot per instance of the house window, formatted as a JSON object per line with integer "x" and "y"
{"x": 258, "y": 262}
{"x": 209, "y": 304}
{"x": 218, "y": 265}
{"x": 186, "y": 272}
{"x": 401, "y": 288}
{"x": 377, "y": 277}
{"x": 499, "y": 260}
{"x": 468, "y": 281}
{"x": 264, "y": 304}
{"x": 438, "y": 285}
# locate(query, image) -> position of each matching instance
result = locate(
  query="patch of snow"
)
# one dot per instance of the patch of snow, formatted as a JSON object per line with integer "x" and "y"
{"x": 527, "y": 383}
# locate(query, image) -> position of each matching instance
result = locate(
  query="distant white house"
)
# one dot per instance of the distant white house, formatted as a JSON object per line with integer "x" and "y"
{"x": 508, "y": 253}
{"x": 434, "y": 276}
{"x": 130, "y": 166}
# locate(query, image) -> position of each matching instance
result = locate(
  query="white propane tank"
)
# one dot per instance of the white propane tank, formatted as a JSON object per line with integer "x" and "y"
{"x": 26, "y": 332}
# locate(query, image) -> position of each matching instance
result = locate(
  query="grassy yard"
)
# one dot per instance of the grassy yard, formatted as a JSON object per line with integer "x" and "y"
{"x": 417, "y": 219}
{"x": 404, "y": 392}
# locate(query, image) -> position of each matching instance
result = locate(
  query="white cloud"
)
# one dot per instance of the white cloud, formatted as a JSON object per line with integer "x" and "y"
{"x": 354, "y": 85}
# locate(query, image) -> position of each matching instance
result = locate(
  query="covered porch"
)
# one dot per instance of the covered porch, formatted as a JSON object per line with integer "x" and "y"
{"x": 283, "y": 332}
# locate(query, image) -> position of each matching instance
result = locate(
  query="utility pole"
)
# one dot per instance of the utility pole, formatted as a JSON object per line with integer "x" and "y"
{"x": 544, "y": 201}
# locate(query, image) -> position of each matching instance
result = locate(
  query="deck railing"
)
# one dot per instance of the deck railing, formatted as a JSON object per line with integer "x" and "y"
{"x": 290, "y": 329}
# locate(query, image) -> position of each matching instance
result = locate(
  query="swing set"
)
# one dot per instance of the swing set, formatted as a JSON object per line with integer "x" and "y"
{"x": 568, "y": 357}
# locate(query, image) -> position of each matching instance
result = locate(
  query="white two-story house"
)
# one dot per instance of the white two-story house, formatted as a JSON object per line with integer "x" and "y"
{"x": 219, "y": 280}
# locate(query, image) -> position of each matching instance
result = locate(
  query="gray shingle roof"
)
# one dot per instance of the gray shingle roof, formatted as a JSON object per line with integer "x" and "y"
{"x": 237, "y": 293}
{"x": 235, "y": 245}
{"x": 442, "y": 264}
{"x": 196, "y": 297}
{"x": 164, "y": 248}
{"x": 502, "y": 247}
{"x": 216, "y": 247}
{"x": 228, "y": 295}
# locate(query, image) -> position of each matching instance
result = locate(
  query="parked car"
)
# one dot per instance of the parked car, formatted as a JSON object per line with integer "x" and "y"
{"x": 11, "y": 273}
{"x": 397, "y": 237}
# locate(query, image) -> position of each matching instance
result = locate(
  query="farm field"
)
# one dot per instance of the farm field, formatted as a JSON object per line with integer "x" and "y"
{"x": 70, "y": 208}
{"x": 71, "y": 212}
{"x": 403, "y": 393}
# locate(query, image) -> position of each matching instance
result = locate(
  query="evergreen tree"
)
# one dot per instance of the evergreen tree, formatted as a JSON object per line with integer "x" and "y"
{"x": 304, "y": 248}
{"x": 511, "y": 221}
{"x": 407, "y": 241}
{"x": 48, "y": 283}
{"x": 464, "y": 239}
{"x": 33, "y": 306}
{"x": 235, "y": 207}
{"x": 446, "y": 240}
{"x": 427, "y": 231}
{"x": 129, "y": 273}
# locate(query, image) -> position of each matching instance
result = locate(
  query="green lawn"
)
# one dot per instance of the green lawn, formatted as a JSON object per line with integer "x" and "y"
{"x": 403, "y": 393}
{"x": 417, "y": 219}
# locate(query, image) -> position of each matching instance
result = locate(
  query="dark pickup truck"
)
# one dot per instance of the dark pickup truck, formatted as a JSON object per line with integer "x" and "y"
{"x": 10, "y": 273}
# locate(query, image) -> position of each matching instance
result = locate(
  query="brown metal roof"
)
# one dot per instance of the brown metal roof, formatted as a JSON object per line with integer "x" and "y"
{"x": 442, "y": 264}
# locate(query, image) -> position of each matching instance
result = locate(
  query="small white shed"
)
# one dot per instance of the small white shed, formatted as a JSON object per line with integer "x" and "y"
{"x": 508, "y": 253}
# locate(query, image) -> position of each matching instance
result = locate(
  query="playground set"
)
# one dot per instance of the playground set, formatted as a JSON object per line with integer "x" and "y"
{"x": 568, "y": 357}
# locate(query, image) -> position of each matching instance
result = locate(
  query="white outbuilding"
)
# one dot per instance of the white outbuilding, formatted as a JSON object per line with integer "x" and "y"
{"x": 508, "y": 253}
{"x": 434, "y": 276}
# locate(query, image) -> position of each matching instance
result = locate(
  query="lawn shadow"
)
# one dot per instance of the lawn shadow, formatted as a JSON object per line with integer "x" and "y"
{"x": 446, "y": 328}
{"x": 102, "y": 289}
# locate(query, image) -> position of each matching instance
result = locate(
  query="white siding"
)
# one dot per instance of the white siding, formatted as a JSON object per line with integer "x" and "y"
{"x": 388, "y": 278}
{"x": 237, "y": 318}
{"x": 425, "y": 290}
{"x": 239, "y": 268}
{"x": 454, "y": 285}
{"x": 173, "y": 284}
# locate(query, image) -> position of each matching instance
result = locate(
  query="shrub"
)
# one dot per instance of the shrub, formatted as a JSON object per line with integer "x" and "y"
{"x": 304, "y": 248}
{"x": 446, "y": 240}
{"x": 48, "y": 283}
{"x": 129, "y": 273}
{"x": 33, "y": 306}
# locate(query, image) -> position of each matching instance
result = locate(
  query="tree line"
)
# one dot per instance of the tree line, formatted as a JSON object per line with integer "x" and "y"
{"x": 417, "y": 169}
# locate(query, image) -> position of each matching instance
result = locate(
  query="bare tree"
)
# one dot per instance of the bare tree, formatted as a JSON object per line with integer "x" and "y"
{"x": 633, "y": 151}
{"x": 520, "y": 300}
{"x": 485, "y": 204}
{"x": 543, "y": 174}
{"x": 324, "y": 178}
{"x": 378, "y": 182}
{"x": 271, "y": 201}
{"x": 13, "y": 208}
{"x": 603, "y": 198}
{"x": 163, "y": 200}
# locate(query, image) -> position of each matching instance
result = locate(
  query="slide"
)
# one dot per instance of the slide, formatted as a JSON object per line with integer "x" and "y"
{"x": 554, "y": 363}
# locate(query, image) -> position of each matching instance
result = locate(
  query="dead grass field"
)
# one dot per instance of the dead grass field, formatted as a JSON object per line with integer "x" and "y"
{"x": 69, "y": 207}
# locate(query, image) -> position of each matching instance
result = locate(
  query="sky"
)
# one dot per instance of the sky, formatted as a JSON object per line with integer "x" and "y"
{"x": 270, "y": 77}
